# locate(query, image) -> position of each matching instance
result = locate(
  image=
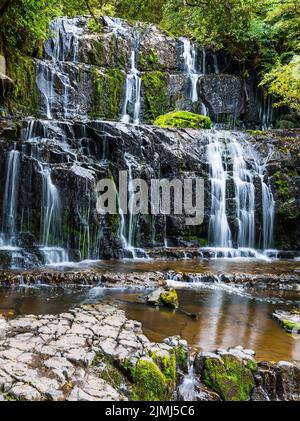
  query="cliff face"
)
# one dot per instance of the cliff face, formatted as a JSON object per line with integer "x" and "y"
{"x": 77, "y": 155}
{"x": 87, "y": 70}
{"x": 50, "y": 165}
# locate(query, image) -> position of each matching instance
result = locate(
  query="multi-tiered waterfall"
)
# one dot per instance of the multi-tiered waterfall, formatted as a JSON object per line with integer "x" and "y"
{"x": 53, "y": 167}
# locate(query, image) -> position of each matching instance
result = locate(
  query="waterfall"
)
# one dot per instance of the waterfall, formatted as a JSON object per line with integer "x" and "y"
{"x": 10, "y": 198}
{"x": 190, "y": 67}
{"x": 132, "y": 103}
{"x": 58, "y": 70}
{"x": 219, "y": 231}
{"x": 50, "y": 209}
{"x": 244, "y": 196}
{"x": 187, "y": 389}
{"x": 127, "y": 231}
{"x": 64, "y": 43}
{"x": 266, "y": 112}
{"x": 233, "y": 162}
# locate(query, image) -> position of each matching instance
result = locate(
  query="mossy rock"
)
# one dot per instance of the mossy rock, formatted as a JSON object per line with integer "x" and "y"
{"x": 169, "y": 298}
{"x": 291, "y": 327}
{"x": 183, "y": 119}
{"x": 167, "y": 364}
{"x": 182, "y": 358}
{"x": 228, "y": 377}
{"x": 155, "y": 94}
{"x": 150, "y": 384}
{"x": 108, "y": 91}
{"x": 25, "y": 97}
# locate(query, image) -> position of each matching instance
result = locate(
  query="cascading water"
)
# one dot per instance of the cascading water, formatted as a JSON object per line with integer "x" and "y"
{"x": 244, "y": 196}
{"x": 228, "y": 156}
{"x": 191, "y": 69}
{"x": 219, "y": 231}
{"x": 190, "y": 65}
{"x": 127, "y": 231}
{"x": 10, "y": 198}
{"x": 58, "y": 69}
{"x": 132, "y": 103}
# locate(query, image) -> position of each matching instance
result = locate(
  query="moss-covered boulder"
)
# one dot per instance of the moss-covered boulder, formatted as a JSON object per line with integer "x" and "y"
{"x": 228, "y": 376}
{"x": 169, "y": 298}
{"x": 290, "y": 321}
{"x": 183, "y": 119}
{"x": 162, "y": 297}
{"x": 150, "y": 384}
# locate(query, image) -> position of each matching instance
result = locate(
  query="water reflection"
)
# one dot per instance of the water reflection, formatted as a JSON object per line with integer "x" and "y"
{"x": 224, "y": 319}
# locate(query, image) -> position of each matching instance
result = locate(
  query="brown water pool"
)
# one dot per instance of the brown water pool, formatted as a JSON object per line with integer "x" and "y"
{"x": 226, "y": 317}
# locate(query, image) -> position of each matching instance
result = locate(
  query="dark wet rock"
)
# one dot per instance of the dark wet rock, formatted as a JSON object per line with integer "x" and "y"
{"x": 222, "y": 94}
{"x": 80, "y": 278}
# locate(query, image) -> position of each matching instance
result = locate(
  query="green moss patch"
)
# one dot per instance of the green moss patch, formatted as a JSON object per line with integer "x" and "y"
{"x": 108, "y": 90}
{"x": 169, "y": 298}
{"x": 291, "y": 326}
{"x": 155, "y": 94}
{"x": 228, "y": 377}
{"x": 25, "y": 97}
{"x": 183, "y": 119}
{"x": 150, "y": 384}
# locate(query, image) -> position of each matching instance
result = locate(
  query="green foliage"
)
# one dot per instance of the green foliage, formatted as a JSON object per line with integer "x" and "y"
{"x": 183, "y": 119}
{"x": 143, "y": 10}
{"x": 284, "y": 82}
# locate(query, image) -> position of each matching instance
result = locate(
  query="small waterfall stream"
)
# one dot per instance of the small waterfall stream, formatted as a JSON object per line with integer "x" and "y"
{"x": 62, "y": 53}
{"x": 132, "y": 103}
{"x": 190, "y": 66}
{"x": 10, "y": 198}
{"x": 191, "y": 69}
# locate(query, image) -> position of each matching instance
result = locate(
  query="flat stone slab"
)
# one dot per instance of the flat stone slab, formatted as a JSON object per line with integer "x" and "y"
{"x": 290, "y": 321}
{"x": 63, "y": 357}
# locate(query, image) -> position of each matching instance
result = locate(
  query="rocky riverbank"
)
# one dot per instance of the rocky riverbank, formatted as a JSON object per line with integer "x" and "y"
{"x": 94, "y": 353}
{"x": 148, "y": 280}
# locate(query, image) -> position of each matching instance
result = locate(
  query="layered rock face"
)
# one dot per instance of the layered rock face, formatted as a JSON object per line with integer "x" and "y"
{"x": 51, "y": 166}
{"x": 85, "y": 72}
{"x": 61, "y": 163}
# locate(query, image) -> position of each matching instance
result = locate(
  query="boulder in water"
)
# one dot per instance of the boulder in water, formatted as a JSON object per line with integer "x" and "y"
{"x": 163, "y": 297}
{"x": 290, "y": 321}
